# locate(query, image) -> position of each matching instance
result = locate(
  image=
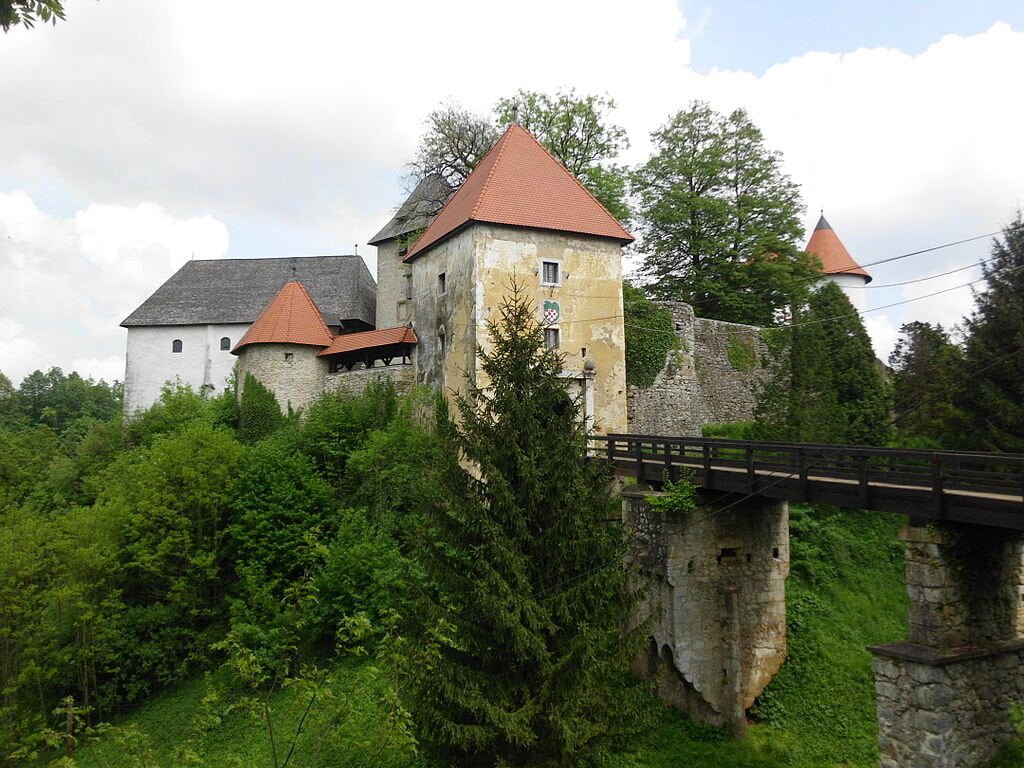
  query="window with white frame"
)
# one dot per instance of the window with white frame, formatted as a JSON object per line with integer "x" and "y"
{"x": 550, "y": 273}
{"x": 551, "y": 338}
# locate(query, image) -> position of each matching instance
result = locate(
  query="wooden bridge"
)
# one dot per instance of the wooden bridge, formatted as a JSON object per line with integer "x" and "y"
{"x": 977, "y": 488}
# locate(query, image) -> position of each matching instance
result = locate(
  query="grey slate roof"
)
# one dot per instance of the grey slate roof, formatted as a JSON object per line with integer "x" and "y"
{"x": 237, "y": 290}
{"x": 418, "y": 210}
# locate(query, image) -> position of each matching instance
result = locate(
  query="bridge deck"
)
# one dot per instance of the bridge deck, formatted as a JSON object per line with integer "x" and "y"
{"x": 977, "y": 488}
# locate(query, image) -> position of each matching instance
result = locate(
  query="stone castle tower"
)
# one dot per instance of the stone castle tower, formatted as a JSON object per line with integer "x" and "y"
{"x": 837, "y": 263}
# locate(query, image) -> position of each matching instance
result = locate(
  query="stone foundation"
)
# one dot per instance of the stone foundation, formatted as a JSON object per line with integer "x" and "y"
{"x": 945, "y": 696}
{"x": 946, "y": 710}
{"x": 718, "y": 599}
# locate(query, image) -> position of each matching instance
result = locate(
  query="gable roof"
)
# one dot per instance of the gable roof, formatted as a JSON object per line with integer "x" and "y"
{"x": 835, "y": 259}
{"x": 351, "y": 342}
{"x": 418, "y": 210}
{"x": 519, "y": 183}
{"x": 291, "y": 318}
{"x": 237, "y": 290}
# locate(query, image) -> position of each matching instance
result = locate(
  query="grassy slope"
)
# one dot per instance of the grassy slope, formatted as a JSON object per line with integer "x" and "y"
{"x": 845, "y": 592}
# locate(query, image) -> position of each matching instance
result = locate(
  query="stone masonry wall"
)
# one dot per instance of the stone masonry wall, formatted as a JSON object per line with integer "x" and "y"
{"x": 945, "y": 695}
{"x": 711, "y": 379}
{"x": 293, "y": 372}
{"x": 948, "y": 712}
{"x": 704, "y": 572}
{"x": 355, "y": 381}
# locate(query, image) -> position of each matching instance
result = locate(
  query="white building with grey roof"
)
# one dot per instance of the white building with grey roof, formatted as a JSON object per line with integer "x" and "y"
{"x": 186, "y": 330}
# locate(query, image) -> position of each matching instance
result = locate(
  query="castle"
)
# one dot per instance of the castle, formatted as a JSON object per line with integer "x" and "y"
{"x": 303, "y": 326}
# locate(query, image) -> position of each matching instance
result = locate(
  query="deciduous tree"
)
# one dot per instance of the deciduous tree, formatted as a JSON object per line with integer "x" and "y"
{"x": 720, "y": 219}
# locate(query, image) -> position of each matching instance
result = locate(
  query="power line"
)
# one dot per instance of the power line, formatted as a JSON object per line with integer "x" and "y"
{"x": 921, "y": 279}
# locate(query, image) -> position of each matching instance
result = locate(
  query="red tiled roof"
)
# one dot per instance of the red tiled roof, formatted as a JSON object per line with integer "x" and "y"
{"x": 519, "y": 183}
{"x": 835, "y": 259}
{"x": 290, "y": 318}
{"x": 352, "y": 342}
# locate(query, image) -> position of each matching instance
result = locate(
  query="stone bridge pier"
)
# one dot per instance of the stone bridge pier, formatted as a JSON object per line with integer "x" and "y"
{"x": 946, "y": 695}
{"x": 717, "y": 603}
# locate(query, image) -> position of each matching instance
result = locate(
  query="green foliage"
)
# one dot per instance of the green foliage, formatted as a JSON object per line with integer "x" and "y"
{"x": 679, "y": 498}
{"x": 518, "y": 637}
{"x": 993, "y": 402}
{"x": 28, "y": 12}
{"x": 59, "y": 400}
{"x": 279, "y": 508}
{"x": 741, "y": 352}
{"x": 339, "y": 424}
{"x": 177, "y": 406}
{"x": 576, "y": 130}
{"x": 259, "y": 413}
{"x": 825, "y": 385}
{"x": 720, "y": 219}
{"x": 926, "y": 372}
{"x": 733, "y": 430}
{"x": 650, "y": 336}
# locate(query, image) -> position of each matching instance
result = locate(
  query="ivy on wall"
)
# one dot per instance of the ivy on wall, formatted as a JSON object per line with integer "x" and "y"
{"x": 650, "y": 336}
{"x": 740, "y": 350}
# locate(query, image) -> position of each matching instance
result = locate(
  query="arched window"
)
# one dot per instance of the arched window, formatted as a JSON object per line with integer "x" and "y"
{"x": 225, "y": 343}
{"x": 176, "y": 345}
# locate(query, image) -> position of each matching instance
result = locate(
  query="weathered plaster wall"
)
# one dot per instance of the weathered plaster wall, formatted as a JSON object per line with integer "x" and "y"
{"x": 392, "y": 307}
{"x": 944, "y": 696}
{"x": 150, "y": 363}
{"x": 355, "y": 381}
{"x": 705, "y": 572}
{"x": 589, "y": 296}
{"x": 453, "y": 312}
{"x": 712, "y": 378}
{"x": 296, "y": 381}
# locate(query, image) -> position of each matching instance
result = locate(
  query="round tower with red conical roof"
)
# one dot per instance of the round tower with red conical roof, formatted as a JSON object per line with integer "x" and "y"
{"x": 837, "y": 264}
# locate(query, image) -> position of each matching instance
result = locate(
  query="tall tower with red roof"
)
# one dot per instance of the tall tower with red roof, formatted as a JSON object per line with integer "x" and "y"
{"x": 520, "y": 218}
{"x": 837, "y": 263}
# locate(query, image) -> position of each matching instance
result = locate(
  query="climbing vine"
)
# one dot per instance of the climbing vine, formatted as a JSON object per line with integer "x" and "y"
{"x": 739, "y": 348}
{"x": 650, "y": 336}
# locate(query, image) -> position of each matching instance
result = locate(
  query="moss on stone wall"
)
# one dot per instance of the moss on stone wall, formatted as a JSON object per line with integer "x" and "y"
{"x": 650, "y": 336}
{"x": 739, "y": 348}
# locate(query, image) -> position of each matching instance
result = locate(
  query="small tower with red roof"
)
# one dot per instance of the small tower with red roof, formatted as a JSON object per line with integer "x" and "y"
{"x": 281, "y": 349}
{"x": 837, "y": 263}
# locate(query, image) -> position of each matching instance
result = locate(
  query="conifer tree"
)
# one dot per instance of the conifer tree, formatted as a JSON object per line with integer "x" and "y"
{"x": 527, "y": 592}
{"x": 258, "y": 412}
{"x": 826, "y": 385}
{"x": 993, "y": 403}
{"x": 926, "y": 371}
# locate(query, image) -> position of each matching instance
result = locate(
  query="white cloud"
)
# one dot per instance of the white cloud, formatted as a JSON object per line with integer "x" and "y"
{"x": 66, "y": 283}
{"x": 168, "y": 119}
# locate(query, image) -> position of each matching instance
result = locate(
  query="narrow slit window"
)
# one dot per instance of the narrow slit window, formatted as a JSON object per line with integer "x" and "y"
{"x": 176, "y": 346}
{"x": 442, "y": 283}
{"x": 442, "y": 343}
{"x": 225, "y": 343}
{"x": 408, "y": 287}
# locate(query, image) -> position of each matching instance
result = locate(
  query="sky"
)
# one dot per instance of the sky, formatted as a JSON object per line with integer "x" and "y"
{"x": 140, "y": 134}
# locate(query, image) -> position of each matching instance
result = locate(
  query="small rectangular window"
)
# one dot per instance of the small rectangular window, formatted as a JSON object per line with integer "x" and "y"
{"x": 408, "y": 286}
{"x": 551, "y": 338}
{"x": 441, "y": 283}
{"x": 550, "y": 273}
{"x": 288, "y": 356}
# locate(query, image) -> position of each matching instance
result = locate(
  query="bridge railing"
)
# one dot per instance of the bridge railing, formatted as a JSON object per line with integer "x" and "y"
{"x": 931, "y": 484}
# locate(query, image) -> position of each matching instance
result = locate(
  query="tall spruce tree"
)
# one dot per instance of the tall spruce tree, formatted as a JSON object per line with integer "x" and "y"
{"x": 826, "y": 385}
{"x": 926, "y": 371}
{"x": 527, "y": 590}
{"x": 993, "y": 403}
{"x": 720, "y": 220}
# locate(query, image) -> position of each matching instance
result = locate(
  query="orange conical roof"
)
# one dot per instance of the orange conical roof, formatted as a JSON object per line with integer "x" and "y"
{"x": 291, "y": 317}
{"x": 520, "y": 184}
{"x": 835, "y": 259}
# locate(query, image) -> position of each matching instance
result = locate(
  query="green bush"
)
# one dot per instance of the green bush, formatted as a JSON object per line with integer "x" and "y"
{"x": 259, "y": 413}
